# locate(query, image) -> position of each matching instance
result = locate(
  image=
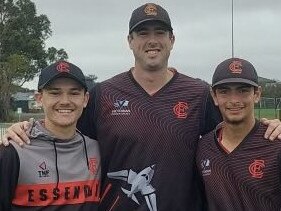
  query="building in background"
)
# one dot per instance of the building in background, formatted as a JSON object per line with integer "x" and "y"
{"x": 25, "y": 101}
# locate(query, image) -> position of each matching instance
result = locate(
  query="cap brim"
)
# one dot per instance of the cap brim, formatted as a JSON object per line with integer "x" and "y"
{"x": 64, "y": 75}
{"x": 149, "y": 19}
{"x": 236, "y": 80}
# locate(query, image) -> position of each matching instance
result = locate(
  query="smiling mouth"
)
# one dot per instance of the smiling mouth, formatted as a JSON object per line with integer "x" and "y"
{"x": 64, "y": 111}
{"x": 152, "y": 52}
{"x": 235, "y": 109}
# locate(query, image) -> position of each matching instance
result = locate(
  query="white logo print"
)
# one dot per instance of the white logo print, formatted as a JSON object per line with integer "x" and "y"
{"x": 121, "y": 108}
{"x": 206, "y": 168}
{"x": 139, "y": 183}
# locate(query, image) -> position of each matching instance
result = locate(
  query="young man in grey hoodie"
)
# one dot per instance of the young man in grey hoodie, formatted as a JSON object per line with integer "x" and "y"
{"x": 60, "y": 169}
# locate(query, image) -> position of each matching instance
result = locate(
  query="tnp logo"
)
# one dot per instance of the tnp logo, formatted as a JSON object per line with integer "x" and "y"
{"x": 43, "y": 172}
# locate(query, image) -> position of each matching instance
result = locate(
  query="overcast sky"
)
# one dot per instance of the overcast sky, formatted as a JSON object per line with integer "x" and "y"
{"x": 94, "y": 34}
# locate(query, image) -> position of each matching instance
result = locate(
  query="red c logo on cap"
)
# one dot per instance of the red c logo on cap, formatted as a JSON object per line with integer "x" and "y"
{"x": 150, "y": 9}
{"x": 63, "y": 67}
{"x": 236, "y": 67}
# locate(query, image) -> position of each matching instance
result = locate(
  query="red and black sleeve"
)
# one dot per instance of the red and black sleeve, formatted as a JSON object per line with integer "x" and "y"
{"x": 279, "y": 168}
{"x": 87, "y": 122}
{"x": 212, "y": 115}
{"x": 9, "y": 173}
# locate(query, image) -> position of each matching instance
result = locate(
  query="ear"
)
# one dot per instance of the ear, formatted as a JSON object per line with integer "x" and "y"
{"x": 213, "y": 94}
{"x": 172, "y": 38}
{"x": 38, "y": 97}
{"x": 86, "y": 99}
{"x": 130, "y": 38}
{"x": 258, "y": 94}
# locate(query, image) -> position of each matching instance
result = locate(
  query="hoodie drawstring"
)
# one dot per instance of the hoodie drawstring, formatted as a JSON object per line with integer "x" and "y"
{"x": 56, "y": 157}
{"x": 85, "y": 148}
{"x": 57, "y": 169}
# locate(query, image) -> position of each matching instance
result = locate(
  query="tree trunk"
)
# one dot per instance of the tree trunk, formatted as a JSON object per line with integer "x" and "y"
{"x": 5, "y": 95}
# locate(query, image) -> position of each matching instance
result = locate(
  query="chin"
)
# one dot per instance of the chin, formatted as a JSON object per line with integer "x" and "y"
{"x": 234, "y": 121}
{"x": 66, "y": 122}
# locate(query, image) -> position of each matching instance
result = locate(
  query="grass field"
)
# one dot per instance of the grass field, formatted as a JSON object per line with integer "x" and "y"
{"x": 268, "y": 113}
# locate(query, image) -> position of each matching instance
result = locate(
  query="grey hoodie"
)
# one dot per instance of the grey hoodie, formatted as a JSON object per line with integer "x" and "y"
{"x": 59, "y": 174}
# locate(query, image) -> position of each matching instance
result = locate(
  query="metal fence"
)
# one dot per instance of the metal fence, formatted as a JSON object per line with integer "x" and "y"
{"x": 269, "y": 103}
{"x": 3, "y": 127}
{"x": 268, "y": 107}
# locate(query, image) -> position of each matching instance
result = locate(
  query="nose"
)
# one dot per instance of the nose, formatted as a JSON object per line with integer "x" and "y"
{"x": 152, "y": 43}
{"x": 234, "y": 97}
{"x": 64, "y": 99}
{"x": 152, "y": 37}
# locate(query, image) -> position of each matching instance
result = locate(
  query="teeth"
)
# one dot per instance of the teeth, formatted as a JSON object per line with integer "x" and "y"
{"x": 152, "y": 52}
{"x": 235, "y": 109}
{"x": 64, "y": 111}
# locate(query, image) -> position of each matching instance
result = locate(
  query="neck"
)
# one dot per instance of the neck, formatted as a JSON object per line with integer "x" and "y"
{"x": 152, "y": 80}
{"x": 60, "y": 132}
{"x": 234, "y": 134}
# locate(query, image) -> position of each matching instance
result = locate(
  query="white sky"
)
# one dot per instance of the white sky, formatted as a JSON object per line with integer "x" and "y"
{"x": 94, "y": 34}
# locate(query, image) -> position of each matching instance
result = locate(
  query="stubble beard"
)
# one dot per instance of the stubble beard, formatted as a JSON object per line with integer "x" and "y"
{"x": 235, "y": 122}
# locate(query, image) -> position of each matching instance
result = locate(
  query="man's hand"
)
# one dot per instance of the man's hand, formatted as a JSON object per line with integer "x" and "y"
{"x": 274, "y": 129}
{"x": 18, "y": 132}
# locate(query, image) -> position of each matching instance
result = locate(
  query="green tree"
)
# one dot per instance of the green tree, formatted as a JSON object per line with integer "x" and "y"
{"x": 93, "y": 77}
{"x": 91, "y": 80}
{"x": 22, "y": 47}
{"x": 271, "y": 89}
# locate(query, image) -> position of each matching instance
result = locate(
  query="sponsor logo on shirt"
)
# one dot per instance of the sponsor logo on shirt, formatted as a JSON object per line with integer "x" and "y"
{"x": 93, "y": 165}
{"x": 205, "y": 167}
{"x": 50, "y": 194}
{"x": 121, "y": 108}
{"x": 180, "y": 110}
{"x": 43, "y": 172}
{"x": 256, "y": 168}
{"x": 140, "y": 183}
